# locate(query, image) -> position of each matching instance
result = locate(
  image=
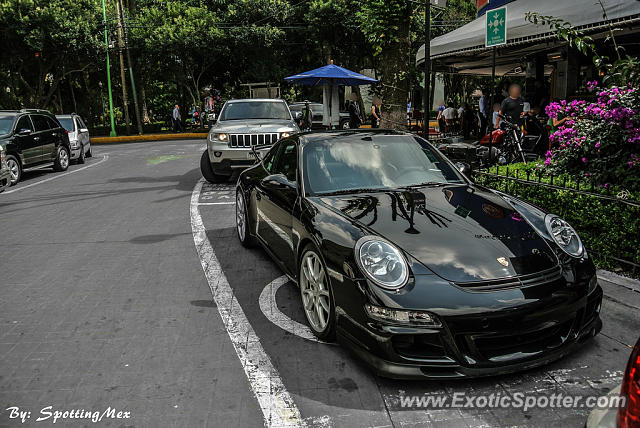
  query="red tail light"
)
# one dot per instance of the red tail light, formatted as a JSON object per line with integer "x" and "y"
{"x": 629, "y": 416}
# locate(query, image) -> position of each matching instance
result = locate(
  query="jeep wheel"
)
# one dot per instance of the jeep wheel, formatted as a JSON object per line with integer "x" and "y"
{"x": 14, "y": 169}
{"x": 207, "y": 170}
{"x": 62, "y": 159}
{"x": 89, "y": 152}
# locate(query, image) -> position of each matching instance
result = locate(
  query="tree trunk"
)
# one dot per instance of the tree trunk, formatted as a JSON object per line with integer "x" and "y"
{"x": 394, "y": 66}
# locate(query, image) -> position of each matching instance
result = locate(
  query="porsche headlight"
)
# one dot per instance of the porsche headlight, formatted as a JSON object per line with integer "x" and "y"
{"x": 382, "y": 262}
{"x": 564, "y": 235}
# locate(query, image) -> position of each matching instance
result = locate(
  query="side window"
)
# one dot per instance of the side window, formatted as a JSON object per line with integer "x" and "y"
{"x": 40, "y": 122}
{"x": 287, "y": 160}
{"x": 270, "y": 158}
{"x": 24, "y": 123}
{"x": 81, "y": 122}
{"x": 53, "y": 124}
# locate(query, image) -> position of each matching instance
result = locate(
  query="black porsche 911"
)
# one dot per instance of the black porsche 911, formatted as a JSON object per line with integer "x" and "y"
{"x": 404, "y": 260}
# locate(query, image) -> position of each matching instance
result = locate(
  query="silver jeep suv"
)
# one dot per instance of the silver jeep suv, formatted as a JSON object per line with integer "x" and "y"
{"x": 242, "y": 124}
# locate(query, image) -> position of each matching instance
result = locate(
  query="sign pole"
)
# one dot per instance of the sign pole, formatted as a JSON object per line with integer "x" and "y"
{"x": 427, "y": 68}
{"x": 495, "y": 34}
{"x": 106, "y": 42}
{"x": 493, "y": 88}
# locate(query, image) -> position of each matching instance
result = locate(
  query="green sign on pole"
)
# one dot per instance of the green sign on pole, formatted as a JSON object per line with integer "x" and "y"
{"x": 496, "y": 27}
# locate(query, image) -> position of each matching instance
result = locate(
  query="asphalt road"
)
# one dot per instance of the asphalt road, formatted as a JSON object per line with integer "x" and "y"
{"x": 123, "y": 287}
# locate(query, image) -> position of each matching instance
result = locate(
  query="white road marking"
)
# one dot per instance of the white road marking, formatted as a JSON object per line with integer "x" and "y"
{"x": 269, "y": 308}
{"x": 277, "y": 405}
{"x": 104, "y": 158}
{"x": 216, "y": 203}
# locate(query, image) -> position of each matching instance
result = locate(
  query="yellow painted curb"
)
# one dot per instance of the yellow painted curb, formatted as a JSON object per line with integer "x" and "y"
{"x": 148, "y": 137}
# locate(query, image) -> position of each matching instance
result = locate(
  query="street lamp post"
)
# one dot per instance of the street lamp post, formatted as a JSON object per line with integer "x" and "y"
{"x": 106, "y": 42}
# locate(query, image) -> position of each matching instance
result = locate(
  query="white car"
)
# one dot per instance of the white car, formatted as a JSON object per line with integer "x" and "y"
{"x": 78, "y": 136}
{"x": 242, "y": 124}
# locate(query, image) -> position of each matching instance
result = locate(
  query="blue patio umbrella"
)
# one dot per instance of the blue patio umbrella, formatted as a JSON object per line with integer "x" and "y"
{"x": 330, "y": 76}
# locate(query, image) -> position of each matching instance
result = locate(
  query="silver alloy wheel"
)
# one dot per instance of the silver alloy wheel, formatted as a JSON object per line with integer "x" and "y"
{"x": 314, "y": 290}
{"x": 241, "y": 221}
{"x": 63, "y": 158}
{"x": 14, "y": 169}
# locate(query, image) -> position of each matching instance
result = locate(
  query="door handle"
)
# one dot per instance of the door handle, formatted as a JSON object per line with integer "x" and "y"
{"x": 36, "y": 138}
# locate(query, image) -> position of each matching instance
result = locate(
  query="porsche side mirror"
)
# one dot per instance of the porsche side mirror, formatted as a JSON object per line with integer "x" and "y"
{"x": 464, "y": 168}
{"x": 278, "y": 181}
{"x": 24, "y": 132}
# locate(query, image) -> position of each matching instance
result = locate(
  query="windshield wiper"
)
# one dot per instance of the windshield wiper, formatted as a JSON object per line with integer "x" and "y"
{"x": 348, "y": 191}
{"x": 425, "y": 184}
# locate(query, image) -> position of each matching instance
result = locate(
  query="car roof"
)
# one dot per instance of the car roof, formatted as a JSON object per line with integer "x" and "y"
{"x": 248, "y": 100}
{"x": 345, "y": 134}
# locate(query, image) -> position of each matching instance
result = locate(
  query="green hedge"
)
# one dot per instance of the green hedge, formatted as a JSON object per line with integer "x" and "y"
{"x": 609, "y": 228}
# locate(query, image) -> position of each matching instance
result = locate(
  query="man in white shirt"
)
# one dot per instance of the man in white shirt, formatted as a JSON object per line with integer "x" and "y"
{"x": 450, "y": 115}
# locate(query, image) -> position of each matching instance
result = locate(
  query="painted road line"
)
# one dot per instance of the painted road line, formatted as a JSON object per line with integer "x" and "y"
{"x": 104, "y": 158}
{"x": 216, "y": 203}
{"x": 276, "y": 403}
{"x": 270, "y": 309}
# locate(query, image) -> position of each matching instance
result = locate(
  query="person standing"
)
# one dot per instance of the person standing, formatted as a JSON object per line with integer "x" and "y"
{"x": 440, "y": 118}
{"x": 355, "y": 116}
{"x": 177, "y": 124}
{"x": 484, "y": 111}
{"x": 376, "y": 112}
{"x": 512, "y": 108}
{"x": 450, "y": 115}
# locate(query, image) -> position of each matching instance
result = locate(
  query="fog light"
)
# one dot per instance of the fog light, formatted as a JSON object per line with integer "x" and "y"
{"x": 397, "y": 316}
{"x": 593, "y": 283}
{"x": 217, "y": 154}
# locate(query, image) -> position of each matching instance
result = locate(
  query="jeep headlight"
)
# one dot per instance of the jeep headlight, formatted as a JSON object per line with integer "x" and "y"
{"x": 221, "y": 137}
{"x": 564, "y": 235}
{"x": 285, "y": 134}
{"x": 382, "y": 262}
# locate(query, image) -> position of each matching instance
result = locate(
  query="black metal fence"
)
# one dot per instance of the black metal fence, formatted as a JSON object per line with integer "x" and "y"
{"x": 516, "y": 181}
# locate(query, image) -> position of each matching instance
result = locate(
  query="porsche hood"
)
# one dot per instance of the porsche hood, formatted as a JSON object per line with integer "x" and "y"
{"x": 462, "y": 233}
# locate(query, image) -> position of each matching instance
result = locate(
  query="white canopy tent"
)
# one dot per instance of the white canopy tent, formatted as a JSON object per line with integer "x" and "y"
{"x": 582, "y": 14}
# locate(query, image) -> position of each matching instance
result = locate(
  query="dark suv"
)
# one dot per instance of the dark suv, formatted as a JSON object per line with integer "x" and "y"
{"x": 33, "y": 139}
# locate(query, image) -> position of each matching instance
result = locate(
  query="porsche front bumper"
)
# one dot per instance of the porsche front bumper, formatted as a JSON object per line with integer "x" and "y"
{"x": 479, "y": 343}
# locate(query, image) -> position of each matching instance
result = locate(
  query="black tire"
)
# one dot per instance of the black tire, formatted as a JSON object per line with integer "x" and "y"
{"x": 207, "y": 170}
{"x": 62, "y": 159}
{"x": 89, "y": 152}
{"x": 244, "y": 232}
{"x": 81, "y": 158}
{"x": 16, "y": 169}
{"x": 328, "y": 333}
{"x": 344, "y": 124}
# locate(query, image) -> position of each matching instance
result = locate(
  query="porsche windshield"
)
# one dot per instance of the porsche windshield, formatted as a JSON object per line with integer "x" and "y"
{"x": 243, "y": 110}
{"x": 372, "y": 163}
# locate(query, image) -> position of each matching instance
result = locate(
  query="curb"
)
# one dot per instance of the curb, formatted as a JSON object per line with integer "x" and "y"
{"x": 614, "y": 278}
{"x": 149, "y": 137}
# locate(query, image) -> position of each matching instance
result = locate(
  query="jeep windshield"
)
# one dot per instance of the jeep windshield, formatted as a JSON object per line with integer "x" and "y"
{"x": 244, "y": 110}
